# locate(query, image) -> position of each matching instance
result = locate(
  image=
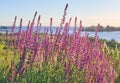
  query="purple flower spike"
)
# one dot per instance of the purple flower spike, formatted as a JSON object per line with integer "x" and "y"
{"x": 12, "y": 30}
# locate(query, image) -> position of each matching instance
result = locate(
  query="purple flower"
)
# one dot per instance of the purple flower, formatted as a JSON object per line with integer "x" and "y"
{"x": 12, "y": 30}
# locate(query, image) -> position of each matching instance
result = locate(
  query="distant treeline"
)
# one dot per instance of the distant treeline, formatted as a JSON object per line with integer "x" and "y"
{"x": 5, "y": 27}
{"x": 91, "y": 28}
{"x": 101, "y": 28}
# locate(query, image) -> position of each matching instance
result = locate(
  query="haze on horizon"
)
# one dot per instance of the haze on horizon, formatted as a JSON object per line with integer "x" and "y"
{"x": 91, "y": 12}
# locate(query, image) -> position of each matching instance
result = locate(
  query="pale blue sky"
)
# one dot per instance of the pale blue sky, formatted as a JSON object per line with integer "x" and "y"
{"x": 92, "y": 12}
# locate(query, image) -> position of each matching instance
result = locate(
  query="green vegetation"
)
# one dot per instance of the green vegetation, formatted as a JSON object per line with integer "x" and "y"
{"x": 50, "y": 73}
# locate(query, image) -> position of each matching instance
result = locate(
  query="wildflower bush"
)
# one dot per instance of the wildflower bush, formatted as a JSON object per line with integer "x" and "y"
{"x": 59, "y": 57}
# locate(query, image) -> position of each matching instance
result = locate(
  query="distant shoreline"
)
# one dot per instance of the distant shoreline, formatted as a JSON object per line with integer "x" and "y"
{"x": 89, "y": 29}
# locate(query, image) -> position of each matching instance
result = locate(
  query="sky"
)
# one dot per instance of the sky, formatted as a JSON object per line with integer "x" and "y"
{"x": 91, "y": 12}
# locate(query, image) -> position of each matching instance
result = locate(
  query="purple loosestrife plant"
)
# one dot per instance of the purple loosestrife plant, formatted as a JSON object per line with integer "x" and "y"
{"x": 70, "y": 21}
{"x": 11, "y": 78}
{"x": 63, "y": 19}
{"x": 31, "y": 28}
{"x": 20, "y": 29}
{"x": 38, "y": 22}
{"x": 21, "y": 62}
{"x": 97, "y": 28}
{"x": 80, "y": 28}
{"x": 28, "y": 26}
{"x": 51, "y": 31}
{"x": 13, "y": 27}
{"x": 37, "y": 33}
{"x": 75, "y": 24}
{"x": 36, "y": 42}
{"x": 62, "y": 23}
{"x": 12, "y": 41}
{"x": 64, "y": 37}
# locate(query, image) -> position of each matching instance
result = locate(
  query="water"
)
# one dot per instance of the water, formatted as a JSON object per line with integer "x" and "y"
{"x": 104, "y": 35}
